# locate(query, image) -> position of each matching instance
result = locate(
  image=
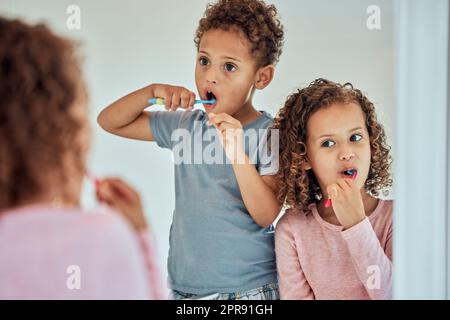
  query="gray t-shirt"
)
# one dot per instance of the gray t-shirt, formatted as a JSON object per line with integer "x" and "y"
{"x": 215, "y": 245}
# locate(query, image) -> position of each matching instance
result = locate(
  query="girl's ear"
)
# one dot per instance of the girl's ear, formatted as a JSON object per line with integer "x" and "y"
{"x": 264, "y": 76}
{"x": 306, "y": 165}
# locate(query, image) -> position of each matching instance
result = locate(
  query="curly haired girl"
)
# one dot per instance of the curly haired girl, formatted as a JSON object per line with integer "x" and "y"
{"x": 45, "y": 234}
{"x": 335, "y": 240}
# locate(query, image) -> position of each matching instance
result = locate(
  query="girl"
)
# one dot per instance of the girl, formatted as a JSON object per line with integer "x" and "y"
{"x": 335, "y": 240}
{"x": 49, "y": 247}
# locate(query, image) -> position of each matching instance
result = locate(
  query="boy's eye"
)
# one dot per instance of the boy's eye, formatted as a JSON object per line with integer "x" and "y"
{"x": 327, "y": 143}
{"x": 203, "y": 61}
{"x": 230, "y": 67}
{"x": 355, "y": 137}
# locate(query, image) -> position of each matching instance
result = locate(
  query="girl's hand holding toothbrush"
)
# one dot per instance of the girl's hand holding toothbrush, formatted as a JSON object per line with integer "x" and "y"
{"x": 119, "y": 195}
{"x": 347, "y": 202}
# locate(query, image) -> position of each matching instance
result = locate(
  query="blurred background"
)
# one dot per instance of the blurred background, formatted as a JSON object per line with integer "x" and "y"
{"x": 128, "y": 45}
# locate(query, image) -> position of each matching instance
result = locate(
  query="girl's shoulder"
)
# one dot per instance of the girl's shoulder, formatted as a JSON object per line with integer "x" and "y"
{"x": 383, "y": 214}
{"x": 70, "y": 223}
{"x": 293, "y": 217}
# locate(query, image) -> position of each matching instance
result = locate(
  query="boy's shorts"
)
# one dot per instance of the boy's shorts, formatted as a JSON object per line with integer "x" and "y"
{"x": 266, "y": 292}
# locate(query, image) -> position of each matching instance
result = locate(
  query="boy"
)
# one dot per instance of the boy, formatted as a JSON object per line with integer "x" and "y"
{"x": 219, "y": 244}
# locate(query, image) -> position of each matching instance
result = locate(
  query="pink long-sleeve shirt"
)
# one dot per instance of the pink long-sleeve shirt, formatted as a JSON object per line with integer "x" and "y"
{"x": 49, "y": 253}
{"x": 320, "y": 260}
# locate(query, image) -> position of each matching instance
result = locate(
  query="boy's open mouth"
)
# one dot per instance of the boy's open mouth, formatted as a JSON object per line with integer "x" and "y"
{"x": 210, "y": 96}
{"x": 352, "y": 172}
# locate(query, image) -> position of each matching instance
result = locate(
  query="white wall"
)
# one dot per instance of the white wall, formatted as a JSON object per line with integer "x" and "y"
{"x": 422, "y": 207}
{"x": 129, "y": 44}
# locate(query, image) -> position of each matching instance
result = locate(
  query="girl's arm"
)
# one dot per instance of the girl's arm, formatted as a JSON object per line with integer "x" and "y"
{"x": 126, "y": 117}
{"x": 154, "y": 274}
{"x": 291, "y": 279}
{"x": 372, "y": 263}
{"x": 119, "y": 195}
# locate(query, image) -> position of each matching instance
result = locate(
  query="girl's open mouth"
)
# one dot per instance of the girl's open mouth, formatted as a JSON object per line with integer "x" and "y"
{"x": 352, "y": 173}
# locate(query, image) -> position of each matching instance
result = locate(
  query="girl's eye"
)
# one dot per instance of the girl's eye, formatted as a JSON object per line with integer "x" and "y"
{"x": 327, "y": 143}
{"x": 203, "y": 61}
{"x": 355, "y": 137}
{"x": 230, "y": 67}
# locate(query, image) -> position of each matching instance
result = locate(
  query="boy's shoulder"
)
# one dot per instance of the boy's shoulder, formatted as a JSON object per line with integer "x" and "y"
{"x": 264, "y": 121}
{"x": 196, "y": 119}
{"x": 179, "y": 119}
{"x": 187, "y": 117}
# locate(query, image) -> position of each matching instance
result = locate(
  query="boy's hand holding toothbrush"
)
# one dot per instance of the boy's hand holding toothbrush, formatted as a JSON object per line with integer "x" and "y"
{"x": 127, "y": 117}
{"x": 231, "y": 136}
{"x": 347, "y": 202}
{"x": 172, "y": 97}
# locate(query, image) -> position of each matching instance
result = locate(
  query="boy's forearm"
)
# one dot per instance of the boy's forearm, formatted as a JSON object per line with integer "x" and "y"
{"x": 125, "y": 110}
{"x": 259, "y": 199}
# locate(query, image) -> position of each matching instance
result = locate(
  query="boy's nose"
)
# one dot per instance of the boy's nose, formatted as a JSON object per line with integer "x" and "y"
{"x": 211, "y": 76}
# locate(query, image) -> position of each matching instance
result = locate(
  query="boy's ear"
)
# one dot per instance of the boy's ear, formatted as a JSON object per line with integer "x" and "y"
{"x": 264, "y": 76}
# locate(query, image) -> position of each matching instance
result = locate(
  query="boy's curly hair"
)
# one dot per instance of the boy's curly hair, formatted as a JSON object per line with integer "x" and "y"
{"x": 298, "y": 188}
{"x": 41, "y": 112}
{"x": 257, "y": 20}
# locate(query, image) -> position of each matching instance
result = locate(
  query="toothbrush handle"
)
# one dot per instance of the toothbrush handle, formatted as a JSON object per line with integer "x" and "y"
{"x": 156, "y": 101}
{"x": 160, "y": 101}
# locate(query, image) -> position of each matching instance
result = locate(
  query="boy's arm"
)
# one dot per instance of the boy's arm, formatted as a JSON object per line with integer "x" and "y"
{"x": 258, "y": 193}
{"x": 126, "y": 117}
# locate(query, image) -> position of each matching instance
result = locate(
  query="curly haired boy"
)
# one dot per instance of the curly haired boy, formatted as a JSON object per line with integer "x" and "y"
{"x": 221, "y": 244}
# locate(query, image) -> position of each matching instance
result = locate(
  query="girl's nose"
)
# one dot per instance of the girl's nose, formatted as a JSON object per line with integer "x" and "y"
{"x": 347, "y": 156}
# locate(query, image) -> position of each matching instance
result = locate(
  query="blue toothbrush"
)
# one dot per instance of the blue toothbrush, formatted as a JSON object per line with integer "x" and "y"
{"x": 160, "y": 101}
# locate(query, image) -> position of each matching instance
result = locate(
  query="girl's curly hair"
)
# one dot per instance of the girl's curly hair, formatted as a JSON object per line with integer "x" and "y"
{"x": 42, "y": 113}
{"x": 257, "y": 20}
{"x": 298, "y": 188}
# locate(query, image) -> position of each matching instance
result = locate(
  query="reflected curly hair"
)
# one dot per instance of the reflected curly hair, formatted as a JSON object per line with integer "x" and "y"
{"x": 42, "y": 112}
{"x": 298, "y": 188}
{"x": 257, "y": 20}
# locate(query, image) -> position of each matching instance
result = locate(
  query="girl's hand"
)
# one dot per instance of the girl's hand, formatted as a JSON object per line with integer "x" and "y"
{"x": 125, "y": 199}
{"x": 174, "y": 97}
{"x": 347, "y": 202}
{"x": 231, "y": 136}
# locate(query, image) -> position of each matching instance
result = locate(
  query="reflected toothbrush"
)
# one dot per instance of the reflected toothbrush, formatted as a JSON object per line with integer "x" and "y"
{"x": 95, "y": 181}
